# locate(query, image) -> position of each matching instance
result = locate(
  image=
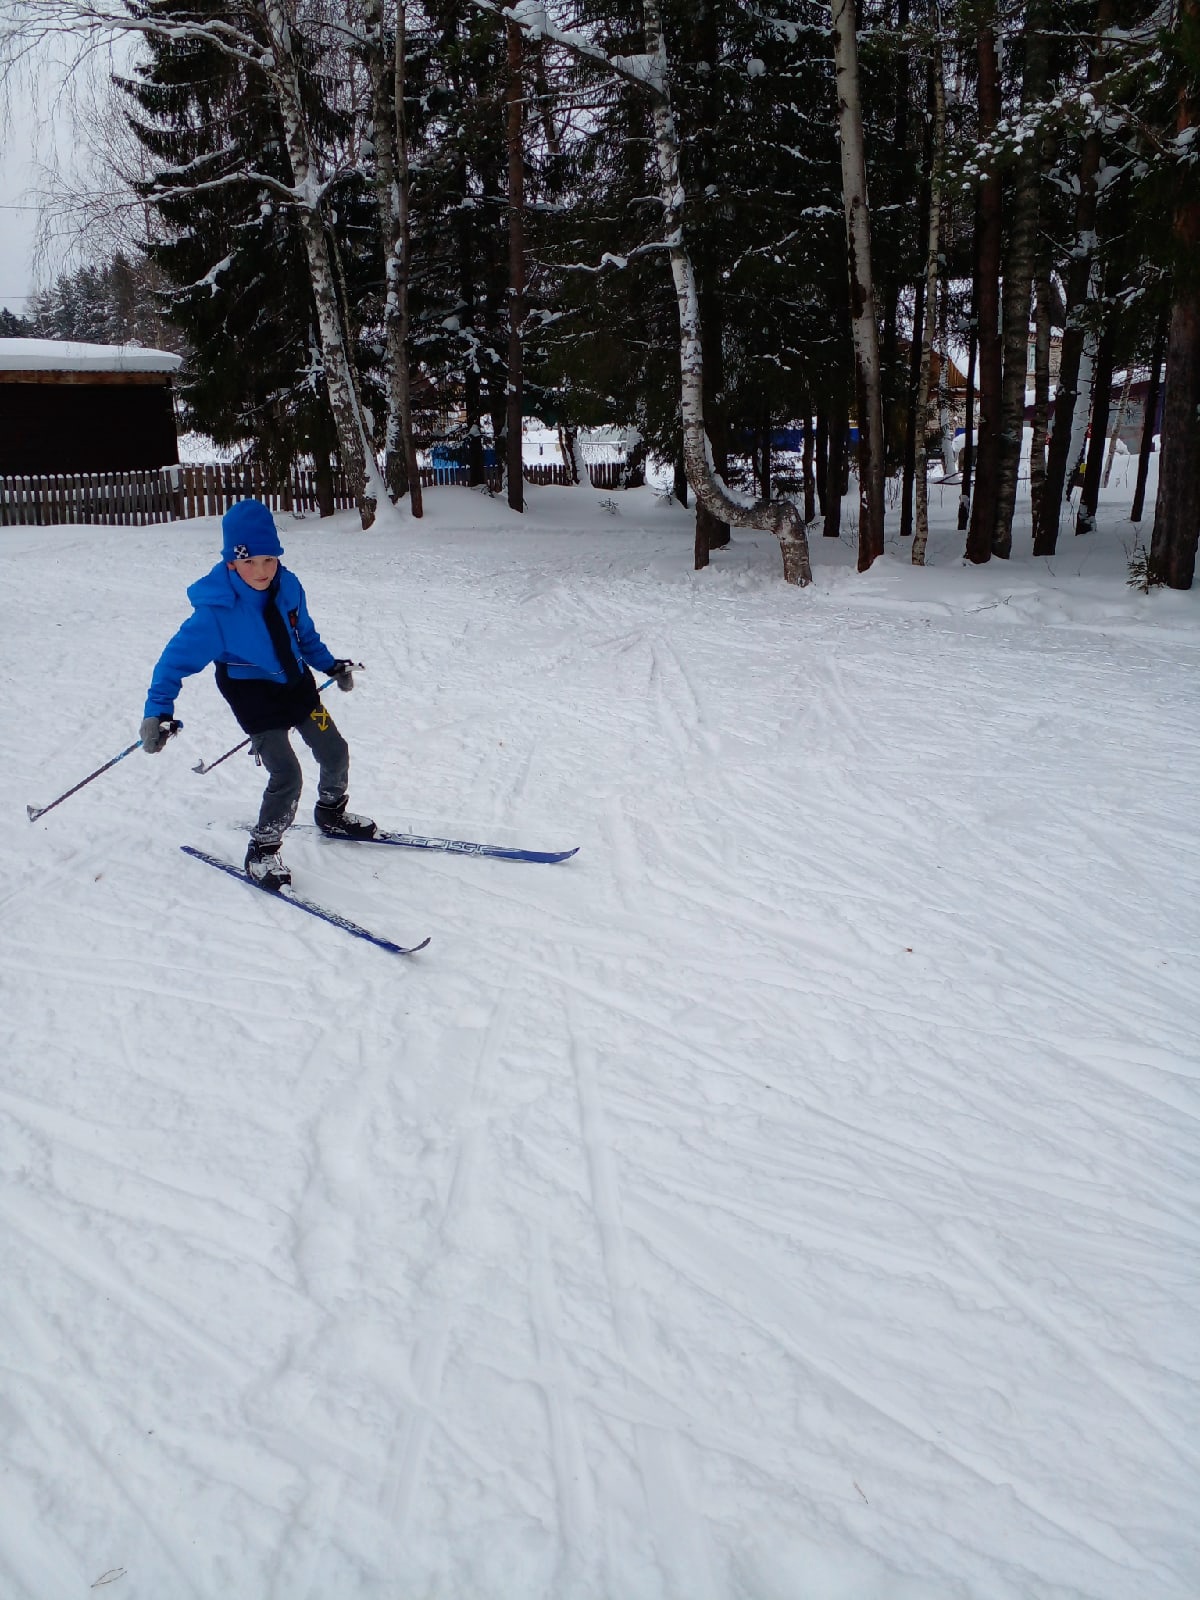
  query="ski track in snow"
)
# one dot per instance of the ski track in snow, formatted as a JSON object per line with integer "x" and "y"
{"x": 793, "y": 1197}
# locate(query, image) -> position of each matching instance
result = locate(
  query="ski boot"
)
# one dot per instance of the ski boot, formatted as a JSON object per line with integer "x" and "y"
{"x": 265, "y": 865}
{"x": 335, "y": 821}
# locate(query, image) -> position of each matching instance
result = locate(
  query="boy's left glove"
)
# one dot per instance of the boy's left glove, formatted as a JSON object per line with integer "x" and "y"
{"x": 342, "y": 673}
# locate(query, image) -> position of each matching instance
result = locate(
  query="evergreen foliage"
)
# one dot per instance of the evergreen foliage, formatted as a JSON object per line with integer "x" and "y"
{"x": 115, "y": 302}
{"x": 456, "y": 64}
{"x": 1088, "y": 136}
{"x": 14, "y": 327}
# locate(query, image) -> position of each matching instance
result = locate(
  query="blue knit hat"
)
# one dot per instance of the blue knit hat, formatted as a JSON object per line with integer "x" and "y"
{"x": 248, "y": 529}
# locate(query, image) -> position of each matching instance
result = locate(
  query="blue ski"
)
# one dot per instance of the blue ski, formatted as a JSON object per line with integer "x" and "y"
{"x": 293, "y": 899}
{"x": 460, "y": 847}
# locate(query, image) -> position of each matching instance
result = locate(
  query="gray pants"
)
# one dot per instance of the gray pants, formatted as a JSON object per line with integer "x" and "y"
{"x": 273, "y": 750}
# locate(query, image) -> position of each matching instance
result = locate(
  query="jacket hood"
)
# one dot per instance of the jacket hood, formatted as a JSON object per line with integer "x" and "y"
{"x": 217, "y": 587}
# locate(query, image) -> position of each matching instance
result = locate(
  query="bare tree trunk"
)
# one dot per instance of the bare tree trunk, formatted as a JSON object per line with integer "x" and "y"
{"x": 633, "y": 472}
{"x": 680, "y": 486}
{"x": 964, "y": 493}
{"x": 810, "y": 509}
{"x": 473, "y": 396}
{"x": 707, "y": 531}
{"x": 514, "y": 414}
{"x": 323, "y": 472}
{"x": 1041, "y": 389}
{"x": 921, "y": 540}
{"x": 908, "y": 471}
{"x": 712, "y": 533}
{"x": 1177, "y": 514}
{"x": 1077, "y": 437}
{"x": 991, "y": 358}
{"x": 541, "y": 88}
{"x": 862, "y": 293}
{"x": 897, "y": 403}
{"x": 1089, "y": 493}
{"x": 1118, "y": 424}
{"x": 476, "y": 460}
{"x": 497, "y": 407}
{"x": 1018, "y": 281}
{"x": 568, "y": 448}
{"x": 395, "y": 466}
{"x": 1149, "y": 418}
{"x": 1072, "y": 399}
{"x": 945, "y": 413}
{"x": 391, "y": 195}
{"x": 416, "y": 499}
{"x": 700, "y": 43}
{"x": 835, "y": 457}
{"x": 354, "y": 445}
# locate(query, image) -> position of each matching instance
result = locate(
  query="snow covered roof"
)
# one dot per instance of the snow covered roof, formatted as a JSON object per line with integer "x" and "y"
{"x": 68, "y": 355}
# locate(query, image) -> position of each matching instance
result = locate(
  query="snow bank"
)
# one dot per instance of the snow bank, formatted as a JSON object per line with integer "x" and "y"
{"x": 793, "y": 1197}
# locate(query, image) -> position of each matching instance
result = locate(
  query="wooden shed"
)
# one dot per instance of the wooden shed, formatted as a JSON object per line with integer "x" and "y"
{"x": 67, "y": 407}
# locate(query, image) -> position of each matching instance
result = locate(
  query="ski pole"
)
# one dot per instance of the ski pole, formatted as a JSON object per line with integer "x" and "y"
{"x": 34, "y": 812}
{"x": 202, "y": 766}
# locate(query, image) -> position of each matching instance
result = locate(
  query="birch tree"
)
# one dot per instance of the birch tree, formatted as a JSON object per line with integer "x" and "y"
{"x": 862, "y": 291}
{"x": 309, "y": 193}
{"x": 386, "y": 69}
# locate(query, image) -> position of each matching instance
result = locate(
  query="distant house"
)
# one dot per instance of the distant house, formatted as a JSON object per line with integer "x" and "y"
{"x": 67, "y": 407}
{"x": 1128, "y": 399}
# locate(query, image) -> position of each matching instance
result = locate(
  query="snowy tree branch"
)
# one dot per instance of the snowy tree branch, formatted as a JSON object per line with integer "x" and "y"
{"x": 532, "y": 20}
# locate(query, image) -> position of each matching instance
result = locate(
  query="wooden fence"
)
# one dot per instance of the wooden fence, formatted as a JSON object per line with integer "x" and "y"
{"x": 117, "y": 497}
{"x": 176, "y": 493}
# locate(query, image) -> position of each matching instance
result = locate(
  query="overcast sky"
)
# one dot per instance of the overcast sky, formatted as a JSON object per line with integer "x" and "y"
{"x": 40, "y": 130}
{"x": 17, "y": 225}
{"x": 35, "y": 126}
{"x": 16, "y": 257}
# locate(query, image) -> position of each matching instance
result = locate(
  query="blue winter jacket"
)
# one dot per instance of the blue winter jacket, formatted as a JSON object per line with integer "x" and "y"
{"x": 227, "y": 626}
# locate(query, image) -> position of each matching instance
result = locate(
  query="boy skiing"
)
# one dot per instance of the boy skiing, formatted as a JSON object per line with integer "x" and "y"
{"x": 251, "y": 619}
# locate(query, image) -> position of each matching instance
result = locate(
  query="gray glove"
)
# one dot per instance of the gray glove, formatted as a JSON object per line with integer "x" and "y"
{"x": 343, "y": 675}
{"x": 155, "y": 731}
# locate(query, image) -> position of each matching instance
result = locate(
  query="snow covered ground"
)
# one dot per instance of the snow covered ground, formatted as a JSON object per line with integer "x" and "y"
{"x": 793, "y": 1197}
